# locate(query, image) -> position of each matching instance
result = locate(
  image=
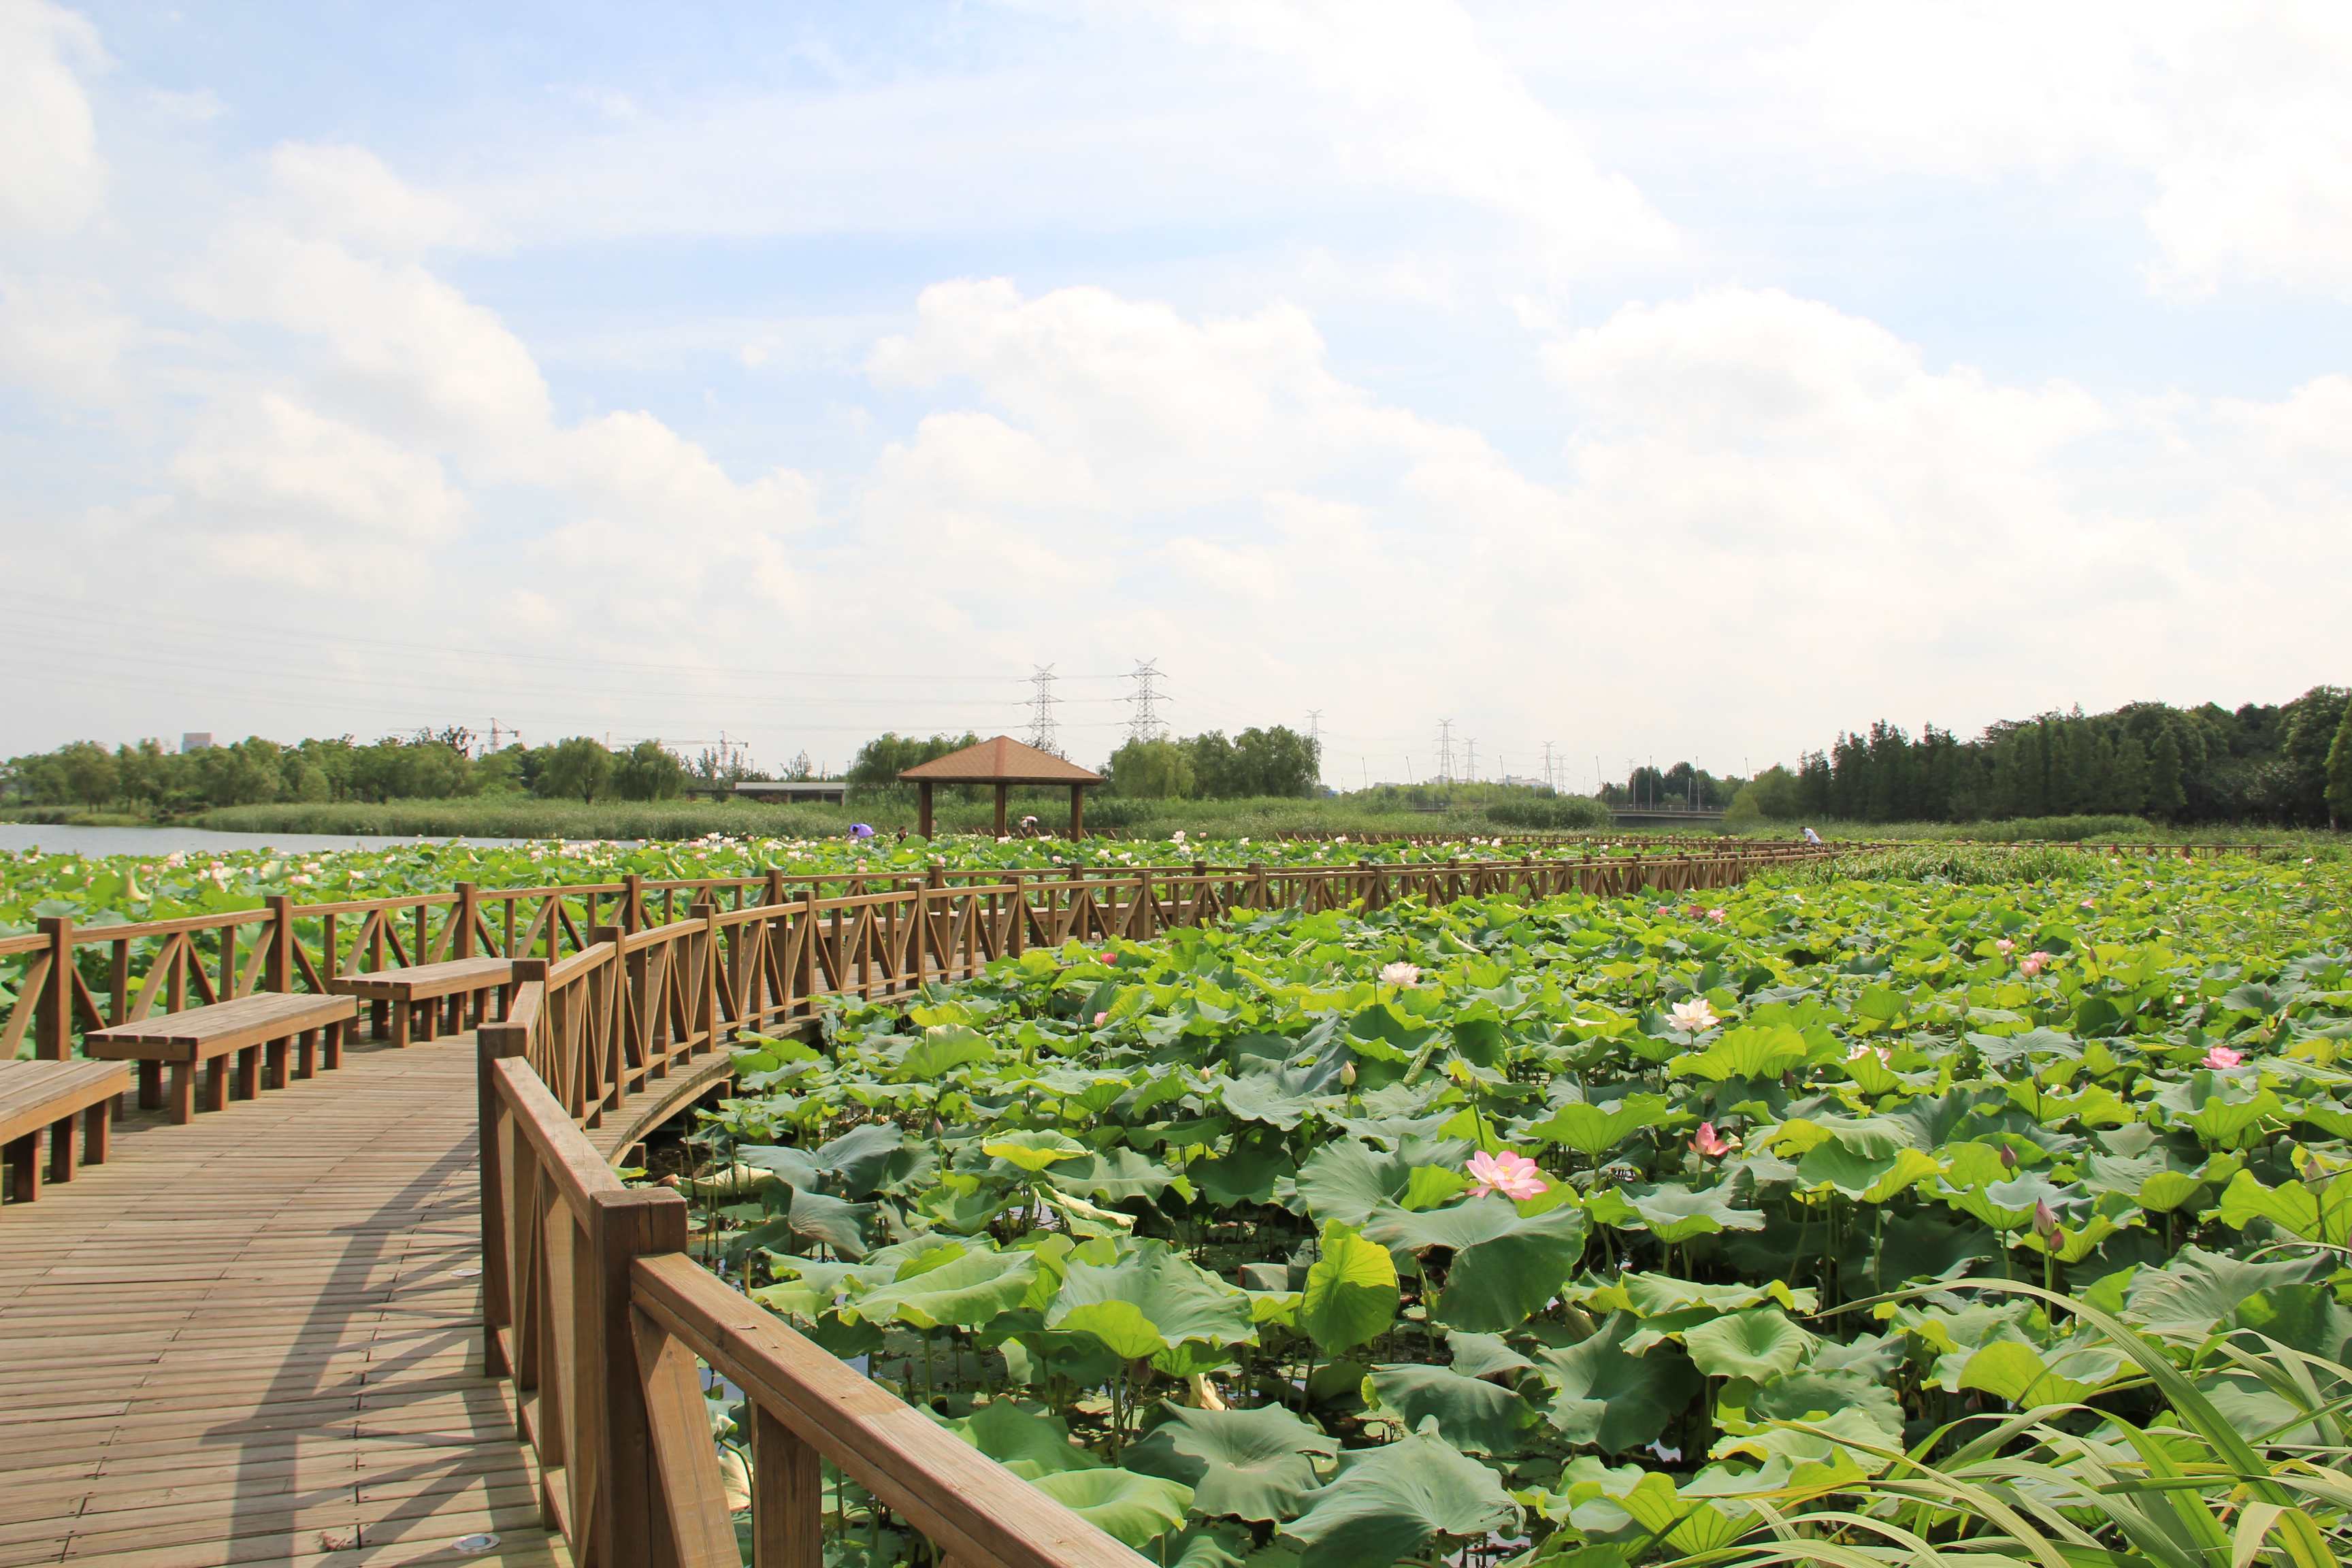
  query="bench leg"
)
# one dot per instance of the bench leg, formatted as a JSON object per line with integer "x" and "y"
{"x": 23, "y": 1156}
{"x": 429, "y": 1015}
{"x": 400, "y": 1026}
{"x": 216, "y": 1084}
{"x": 331, "y": 1052}
{"x": 273, "y": 1065}
{"x": 306, "y": 1053}
{"x": 184, "y": 1093}
{"x": 378, "y": 1012}
{"x": 61, "y": 1149}
{"x": 150, "y": 1086}
{"x": 95, "y": 1122}
{"x": 248, "y": 1073}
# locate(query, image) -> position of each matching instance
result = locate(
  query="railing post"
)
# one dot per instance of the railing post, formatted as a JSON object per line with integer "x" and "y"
{"x": 710, "y": 974}
{"x": 53, "y": 1022}
{"x": 1200, "y": 892}
{"x": 470, "y": 910}
{"x": 278, "y": 966}
{"x": 628, "y": 1515}
{"x": 633, "y": 900}
{"x": 1017, "y": 941}
{"x": 1260, "y": 896}
{"x": 495, "y": 1042}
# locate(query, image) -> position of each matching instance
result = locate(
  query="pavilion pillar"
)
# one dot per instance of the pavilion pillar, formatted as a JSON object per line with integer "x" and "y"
{"x": 1077, "y": 811}
{"x": 923, "y": 796}
{"x": 1004, "y": 791}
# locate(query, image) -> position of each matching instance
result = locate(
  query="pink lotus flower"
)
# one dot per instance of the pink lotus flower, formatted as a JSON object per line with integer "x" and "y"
{"x": 1714, "y": 1145}
{"x": 1515, "y": 1176}
{"x": 1715, "y": 915}
{"x": 2033, "y": 963}
{"x": 1101, "y": 1019}
{"x": 2221, "y": 1057}
{"x": 1858, "y": 1052}
{"x": 1693, "y": 1016}
{"x": 2003, "y": 946}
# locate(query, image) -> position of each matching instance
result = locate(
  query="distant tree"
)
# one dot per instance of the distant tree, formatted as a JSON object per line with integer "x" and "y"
{"x": 2308, "y": 735}
{"x": 1274, "y": 761}
{"x": 88, "y": 772}
{"x": 246, "y": 774}
{"x": 501, "y": 772}
{"x": 579, "y": 766}
{"x": 2339, "y": 773}
{"x": 882, "y": 758}
{"x": 1151, "y": 770}
{"x": 648, "y": 771}
{"x": 2167, "y": 794}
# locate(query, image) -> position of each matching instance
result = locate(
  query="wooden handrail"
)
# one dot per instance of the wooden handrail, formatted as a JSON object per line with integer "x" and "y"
{"x": 976, "y": 1512}
{"x": 593, "y": 1309}
{"x": 776, "y": 955}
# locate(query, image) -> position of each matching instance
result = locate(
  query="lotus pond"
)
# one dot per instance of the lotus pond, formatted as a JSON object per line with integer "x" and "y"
{"x": 1838, "y": 1220}
{"x": 103, "y": 890}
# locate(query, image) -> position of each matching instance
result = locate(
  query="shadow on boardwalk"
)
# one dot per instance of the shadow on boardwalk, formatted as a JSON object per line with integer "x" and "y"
{"x": 255, "y": 1338}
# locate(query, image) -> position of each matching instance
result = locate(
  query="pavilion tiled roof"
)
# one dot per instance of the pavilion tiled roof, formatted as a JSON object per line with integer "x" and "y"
{"x": 1000, "y": 761}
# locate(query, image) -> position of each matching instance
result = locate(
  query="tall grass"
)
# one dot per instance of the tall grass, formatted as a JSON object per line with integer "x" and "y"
{"x": 2150, "y": 1471}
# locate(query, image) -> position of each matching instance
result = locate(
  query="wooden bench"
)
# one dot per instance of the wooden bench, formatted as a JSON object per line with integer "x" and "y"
{"x": 249, "y": 1029}
{"x": 427, "y": 991}
{"x": 34, "y": 1095}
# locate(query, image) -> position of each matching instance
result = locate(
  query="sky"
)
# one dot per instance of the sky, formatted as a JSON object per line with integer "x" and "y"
{"x": 1641, "y": 381}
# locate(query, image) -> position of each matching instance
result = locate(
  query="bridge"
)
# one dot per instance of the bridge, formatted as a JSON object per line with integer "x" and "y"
{"x": 403, "y": 1311}
{"x": 1660, "y": 815}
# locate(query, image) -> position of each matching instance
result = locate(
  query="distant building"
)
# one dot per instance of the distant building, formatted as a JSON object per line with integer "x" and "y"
{"x": 195, "y": 741}
{"x": 787, "y": 792}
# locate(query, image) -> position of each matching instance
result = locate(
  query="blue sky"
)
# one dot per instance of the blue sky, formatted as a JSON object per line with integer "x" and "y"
{"x": 1691, "y": 383}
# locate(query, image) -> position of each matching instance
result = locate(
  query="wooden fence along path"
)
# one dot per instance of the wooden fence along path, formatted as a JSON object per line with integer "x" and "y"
{"x": 335, "y": 1324}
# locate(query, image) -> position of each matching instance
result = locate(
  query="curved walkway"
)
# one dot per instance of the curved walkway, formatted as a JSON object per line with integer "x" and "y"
{"x": 256, "y": 1338}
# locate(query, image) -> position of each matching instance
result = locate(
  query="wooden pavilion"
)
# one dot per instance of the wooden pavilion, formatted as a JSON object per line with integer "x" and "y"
{"x": 1003, "y": 762}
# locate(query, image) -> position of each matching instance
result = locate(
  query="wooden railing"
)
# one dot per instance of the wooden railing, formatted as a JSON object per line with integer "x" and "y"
{"x": 778, "y": 940}
{"x": 592, "y": 1307}
{"x": 611, "y": 1332}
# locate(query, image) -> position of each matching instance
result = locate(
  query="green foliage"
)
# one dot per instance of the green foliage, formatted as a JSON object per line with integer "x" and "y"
{"x": 579, "y": 766}
{"x": 1260, "y": 1270}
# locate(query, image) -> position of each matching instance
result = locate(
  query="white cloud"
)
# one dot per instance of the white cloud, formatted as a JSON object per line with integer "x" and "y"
{"x": 52, "y": 177}
{"x": 1414, "y": 98}
{"x": 2236, "y": 118}
{"x": 62, "y": 336}
{"x": 347, "y": 194}
{"x": 420, "y": 354}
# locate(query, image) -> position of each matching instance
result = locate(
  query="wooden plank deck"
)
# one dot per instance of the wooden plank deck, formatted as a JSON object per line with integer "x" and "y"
{"x": 256, "y": 1338}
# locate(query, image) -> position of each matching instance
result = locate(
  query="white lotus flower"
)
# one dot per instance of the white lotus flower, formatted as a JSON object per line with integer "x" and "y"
{"x": 1400, "y": 973}
{"x": 1694, "y": 1016}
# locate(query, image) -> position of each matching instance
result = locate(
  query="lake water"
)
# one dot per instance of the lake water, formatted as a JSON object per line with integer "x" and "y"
{"x": 164, "y": 840}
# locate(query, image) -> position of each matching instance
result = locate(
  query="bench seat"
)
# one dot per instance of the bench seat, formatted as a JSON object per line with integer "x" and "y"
{"x": 247, "y": 1029}
{"x": 403, "y": 994}
{"x": 37, "y": 1095}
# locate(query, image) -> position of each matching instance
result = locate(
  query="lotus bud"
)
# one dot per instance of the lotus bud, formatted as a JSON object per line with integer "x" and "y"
{"x": 2008, "y": 1159}
{"x": 1348, "y": 1075}
{"x": 2045, "y": 1220}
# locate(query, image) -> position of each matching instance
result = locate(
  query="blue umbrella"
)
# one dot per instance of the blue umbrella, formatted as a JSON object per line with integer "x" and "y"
{"x": 860, "y": 830}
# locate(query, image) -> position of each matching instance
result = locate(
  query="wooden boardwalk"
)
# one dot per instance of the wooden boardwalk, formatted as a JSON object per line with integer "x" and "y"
{"x": 256, "y": 1338}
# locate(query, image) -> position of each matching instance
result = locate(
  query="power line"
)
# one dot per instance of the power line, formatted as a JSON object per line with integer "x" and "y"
{"x": 1143, "y": 720}
{"x": 1043, "y": 731}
